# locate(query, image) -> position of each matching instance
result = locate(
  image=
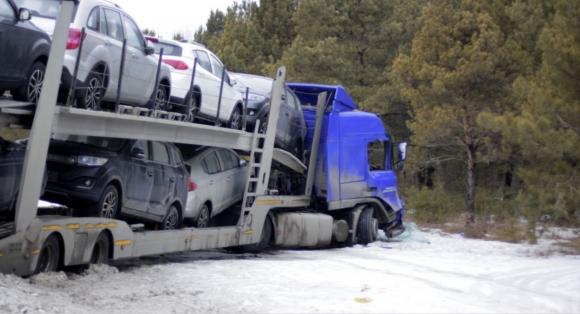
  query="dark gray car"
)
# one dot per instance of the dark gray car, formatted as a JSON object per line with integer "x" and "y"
{"x": 24, "y": 50}
{"x": 291, "y": 126}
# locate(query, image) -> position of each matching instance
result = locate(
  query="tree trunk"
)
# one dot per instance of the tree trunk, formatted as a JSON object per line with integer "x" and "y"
{"x": 471, "y": 150}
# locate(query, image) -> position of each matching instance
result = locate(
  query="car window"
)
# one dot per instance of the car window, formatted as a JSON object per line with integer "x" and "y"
{"x": 114, "y": 24}
{"x": 160, "y": 153}
{"x": 102, "y": 23}
{"x": 134, "y": 38}
{"x": 94, "y": 19}
{"x": 217, "y": 66}
{"x": 211, "y": 163}
{"x": 203, "y": 59}
{"x": 168, "y": 49}
{"x": 6, "y": 9}
{"x": 230, "y": 160}
{"x": 143, "y": 145}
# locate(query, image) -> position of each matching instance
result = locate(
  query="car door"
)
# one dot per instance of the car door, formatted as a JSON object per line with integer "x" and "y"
{"x": 140, "y": 68}
{"x": 208, "y": 82}
{"x": 114, "y": 45}
{"x": 227, "y": 177}
{"x": 163, "y": 180}
{"x": 13, "y": 45}
{"x": 239, "y": 176}
{"x": 211, "y": 164}
{"x": 140, "y": 177}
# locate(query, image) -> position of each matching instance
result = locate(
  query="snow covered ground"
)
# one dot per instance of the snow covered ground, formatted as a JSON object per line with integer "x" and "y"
{"x": 423, "y": 273}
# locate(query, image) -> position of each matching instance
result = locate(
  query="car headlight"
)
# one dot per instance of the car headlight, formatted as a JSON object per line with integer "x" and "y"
{"x": 91, "y": 161}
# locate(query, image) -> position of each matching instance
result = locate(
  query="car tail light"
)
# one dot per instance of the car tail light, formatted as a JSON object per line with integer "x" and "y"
{"x": 177, "y": 64}
{"x": 191, "y": 186}
{"x": 74, "y": 38}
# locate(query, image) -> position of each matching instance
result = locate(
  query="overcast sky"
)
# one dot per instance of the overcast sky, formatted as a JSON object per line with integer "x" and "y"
{"x": 171, "y": 16}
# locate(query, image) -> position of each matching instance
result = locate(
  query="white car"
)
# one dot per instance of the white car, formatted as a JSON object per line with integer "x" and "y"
{"x": 208, "y": 75}
{"x": 217, "y": 182}
{"x": 106, "y": 25}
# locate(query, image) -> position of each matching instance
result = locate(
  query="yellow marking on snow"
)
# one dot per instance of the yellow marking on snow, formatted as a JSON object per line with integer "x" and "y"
{"x": 51, "y": 227}
{"x": 123, "y": 242}
{"x": 73, "y": 226}
{"x": 364, "y": 300}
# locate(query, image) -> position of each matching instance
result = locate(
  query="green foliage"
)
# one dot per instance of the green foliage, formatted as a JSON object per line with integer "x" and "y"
{"x": 432, "y": 206}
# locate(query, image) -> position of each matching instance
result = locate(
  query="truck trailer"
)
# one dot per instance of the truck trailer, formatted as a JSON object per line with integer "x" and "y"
{"x": 346, "y": 197}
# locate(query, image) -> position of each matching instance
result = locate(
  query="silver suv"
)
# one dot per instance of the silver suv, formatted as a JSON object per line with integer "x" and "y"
{"x": 106, "y": 26}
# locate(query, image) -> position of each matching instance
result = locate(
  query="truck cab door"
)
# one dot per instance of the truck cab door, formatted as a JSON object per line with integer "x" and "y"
{"x": 382, "y": 179}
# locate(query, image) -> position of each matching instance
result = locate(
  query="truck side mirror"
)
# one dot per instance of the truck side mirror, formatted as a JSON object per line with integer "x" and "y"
{"x": 401, "y": 156}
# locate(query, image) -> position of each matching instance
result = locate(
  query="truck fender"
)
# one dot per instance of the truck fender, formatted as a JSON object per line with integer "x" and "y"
{"x": 272, "y": 217}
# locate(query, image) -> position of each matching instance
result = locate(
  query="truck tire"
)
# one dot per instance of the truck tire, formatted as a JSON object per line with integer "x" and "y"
{"x": 49, "y": 257}
{"x": 101, "y": 249}
{"x": 368, "y": 227}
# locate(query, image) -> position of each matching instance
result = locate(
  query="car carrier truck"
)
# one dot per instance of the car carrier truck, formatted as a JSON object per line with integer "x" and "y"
{"x": 345, "y": 200}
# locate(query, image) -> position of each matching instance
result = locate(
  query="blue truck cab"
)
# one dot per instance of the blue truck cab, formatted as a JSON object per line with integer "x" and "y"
{"x": 356, "y": 165}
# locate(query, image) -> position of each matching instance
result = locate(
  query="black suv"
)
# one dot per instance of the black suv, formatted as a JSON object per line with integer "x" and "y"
{"x": 24, "y": 50}
{"x": 108, "y": 177}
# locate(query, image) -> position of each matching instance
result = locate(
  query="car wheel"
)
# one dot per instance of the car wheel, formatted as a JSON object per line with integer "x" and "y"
{"x": 204, "y": 217}
{"x": 236, "y": 119}
{"x": 101, "y": 250}
{"x": 109, "y": 203}
{"x": 91, "y": 96}
{"x": 161, "y": 98}
{"x": 31, "y": 91}
{"x": 172, "y": 220}
{"x": 368, "y": 227}
{"x": 49, "y": 257}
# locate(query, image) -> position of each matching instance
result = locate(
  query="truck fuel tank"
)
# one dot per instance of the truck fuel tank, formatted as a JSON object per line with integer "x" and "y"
{"x": 304, "y": 230}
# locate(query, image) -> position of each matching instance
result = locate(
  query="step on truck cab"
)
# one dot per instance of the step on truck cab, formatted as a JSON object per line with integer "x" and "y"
{"x": 356, "y": 164}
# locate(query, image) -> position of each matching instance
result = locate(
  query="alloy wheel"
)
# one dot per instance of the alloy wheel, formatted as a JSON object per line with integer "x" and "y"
{"x": 110, "y": 204}
{"x": 203, "y": 219}
{"x": 93, "y": 94}
{"x": 236, "y": 120}
{"x": 34, "y": 86}
{"x": 160, "y": 98}
{"x": 172, "y": 219}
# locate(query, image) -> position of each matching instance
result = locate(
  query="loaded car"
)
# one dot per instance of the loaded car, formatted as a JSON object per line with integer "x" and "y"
{"x": 24, "y": 50}
{"x": 106, "y": 27}
{"x": 109, "y": 178}
{"x": 291, "y": 126}
{"x": 206, "y": 90}
{"x": 11, "y": 162}
{"x": 218, "y": 179}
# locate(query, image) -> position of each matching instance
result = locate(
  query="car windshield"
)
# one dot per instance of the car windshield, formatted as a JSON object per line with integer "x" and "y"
{"x": 257, "y": 84}
{"x": 41, "y": 8}
{"x": 111, "y": 144}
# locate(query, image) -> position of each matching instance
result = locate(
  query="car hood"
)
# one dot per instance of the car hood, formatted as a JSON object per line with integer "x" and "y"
{"x": 77, "y": 149}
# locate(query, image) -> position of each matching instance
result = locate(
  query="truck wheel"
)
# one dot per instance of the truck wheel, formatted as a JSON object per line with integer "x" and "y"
{"x": 49, "y": 258}
{"x": 172, "y": 220}
{"x": 204, "y": 217}
{"x": 368, "y": 227}
{"x": 101, "y": 250}
{"x": 109, "y": 203}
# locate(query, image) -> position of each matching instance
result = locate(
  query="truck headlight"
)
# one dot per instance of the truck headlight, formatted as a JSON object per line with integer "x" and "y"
{"x": 91, "y": 161}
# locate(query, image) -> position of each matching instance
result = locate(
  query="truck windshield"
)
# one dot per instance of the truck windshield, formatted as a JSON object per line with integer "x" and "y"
{"x": 379, "y": 155}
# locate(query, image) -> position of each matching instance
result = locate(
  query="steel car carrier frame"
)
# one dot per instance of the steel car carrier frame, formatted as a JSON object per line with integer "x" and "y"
{"x": 38, "y": 243}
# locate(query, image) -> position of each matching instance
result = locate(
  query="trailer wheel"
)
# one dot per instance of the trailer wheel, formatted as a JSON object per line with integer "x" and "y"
{"x": 49, "y": 257}
{"x": 101, "y": 249}
{"x": 368, "y": 227}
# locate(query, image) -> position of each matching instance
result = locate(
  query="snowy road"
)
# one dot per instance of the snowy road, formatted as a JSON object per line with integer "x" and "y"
{"x": 428, "y": 273}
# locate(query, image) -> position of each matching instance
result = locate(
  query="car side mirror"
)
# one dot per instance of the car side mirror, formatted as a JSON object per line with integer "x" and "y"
{"x": 138, "y": 153}
{"x": 149, "y": 48}
{"x": 243, "y": 163}
{"x": 24, "y": 15}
